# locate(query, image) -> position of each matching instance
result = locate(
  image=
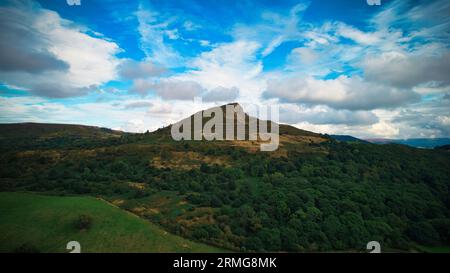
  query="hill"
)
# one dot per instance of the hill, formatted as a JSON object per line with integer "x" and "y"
{"x": 288, "y": 135}
{"x": 47, "y": 224}
{"x": 284, "y": 129}
{"x": 427, "y": 143}
{"x": 443, "y": 147}
{"x": 23, "y": 136}
{"x": 51, "y": 130}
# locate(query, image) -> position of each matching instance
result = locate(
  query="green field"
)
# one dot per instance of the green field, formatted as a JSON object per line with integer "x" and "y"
{"x": 435, "y": 249}
{"x": 47, "y": 223}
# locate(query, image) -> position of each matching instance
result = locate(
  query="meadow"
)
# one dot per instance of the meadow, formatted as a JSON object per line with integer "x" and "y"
{"x": 47, "y": 223}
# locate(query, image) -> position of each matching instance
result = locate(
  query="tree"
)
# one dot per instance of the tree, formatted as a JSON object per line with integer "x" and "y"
{"x": 270, "y": 239}
{"x": 84, "y": 222}
{"x": 289, "y": 239}
{"x": 423, "y": 233}
{"x": 254, "y": 243}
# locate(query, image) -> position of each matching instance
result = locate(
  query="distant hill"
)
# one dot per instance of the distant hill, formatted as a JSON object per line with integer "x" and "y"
{"x": 51, "y": 130}
{"x": 22, "y": 136}
{"x": 428, "y": 143}
{"x": 443, "y": 147}
{"x": 347, "y": 138}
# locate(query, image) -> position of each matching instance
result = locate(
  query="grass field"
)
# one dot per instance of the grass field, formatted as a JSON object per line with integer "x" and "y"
{"x": 435, "y": 249}
{"x": 47, "y": 223}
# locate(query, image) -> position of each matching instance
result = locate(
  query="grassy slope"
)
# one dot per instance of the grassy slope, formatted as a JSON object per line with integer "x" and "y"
{"x": 47, "y": 223}
{"x": 435, "y": 249}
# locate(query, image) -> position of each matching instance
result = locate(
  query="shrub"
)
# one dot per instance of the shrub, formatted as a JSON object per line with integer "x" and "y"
{"x": 26, "y": 248}
{"x": 84, "y": 222}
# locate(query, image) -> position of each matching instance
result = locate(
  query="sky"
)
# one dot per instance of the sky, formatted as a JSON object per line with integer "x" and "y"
{"x": 336, "y": 67}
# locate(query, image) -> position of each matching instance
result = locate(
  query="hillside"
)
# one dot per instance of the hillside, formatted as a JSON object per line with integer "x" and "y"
{"x": 312, "y": 194}
{"x": 47, "y": 224}
{"x": 22, "y": 136}
{"x": 50, "y": 130}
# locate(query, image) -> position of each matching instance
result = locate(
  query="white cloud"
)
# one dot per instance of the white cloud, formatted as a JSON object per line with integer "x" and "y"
{"x": 169, "y": 89}
{"x": 22, "y": 48}
{"x": 406, "y": 70}
{"x": 430, "y": 118}
{"x": 204, "y": 42}
{"x": 131, "y": 69}
{"x": 152, "y": 30}
{"x": 228, "y": 65}
{"x": 318, "y": 115}
{"x": 274, "y": 29}
{"x": 178, "y": 90}
{"x": 90, "y": 60}
{"x": 221, "y": 94}
{"x": 304, "y": 55}
{"x": 384, "y": 129}
{"x": 138, "y": 104}
{"x": 340, "y": 93}
{"x": 190, "y": 26}
{"x": 175, "y": 89}
{"x": 357, "y": 35}
{"x": 172, "y": 34}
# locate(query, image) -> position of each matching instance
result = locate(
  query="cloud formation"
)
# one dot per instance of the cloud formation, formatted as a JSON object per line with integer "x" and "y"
{"x": 221, "y": 94}
{"x": 352, "y": 93}
{"x": 21, "y": 48}
{"x": 152, "y": 29}
{"x": 169, "y": 89}
{"x": 406, "y": 71}
{"x": 55, "y": 90}
{"x": 49, "y": 55}
{"x": 131, "y": 69}
{"x": 319, "y": 115}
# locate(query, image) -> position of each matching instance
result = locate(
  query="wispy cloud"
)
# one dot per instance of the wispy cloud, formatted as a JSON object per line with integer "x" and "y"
{"x": 153, "y": 29}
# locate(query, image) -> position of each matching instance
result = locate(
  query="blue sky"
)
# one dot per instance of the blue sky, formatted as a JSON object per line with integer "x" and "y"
{"x": 338, "y": 67}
